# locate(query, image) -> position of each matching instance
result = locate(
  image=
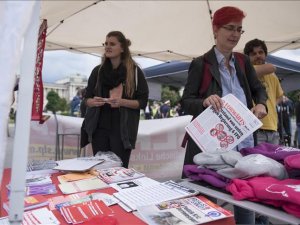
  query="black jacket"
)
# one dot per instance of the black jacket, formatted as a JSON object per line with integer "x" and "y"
{"x": 192, "y": 103}
{"x": 129, "y": 118}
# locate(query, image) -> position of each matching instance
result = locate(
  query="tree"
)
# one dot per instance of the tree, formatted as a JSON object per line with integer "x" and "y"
{"x": 56, "y": 103}
{"x": 170, "y": 93}
{"x": 293, "y": 95}
{"x": 64, "y": 106}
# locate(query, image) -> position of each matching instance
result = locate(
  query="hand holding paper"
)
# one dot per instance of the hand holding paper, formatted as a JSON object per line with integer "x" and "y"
{"x": 115, "y": 96}
{"x": 219, "y": 131}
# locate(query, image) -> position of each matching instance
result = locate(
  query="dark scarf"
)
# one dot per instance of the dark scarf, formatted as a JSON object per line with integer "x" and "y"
{"x": 109, "y": 79}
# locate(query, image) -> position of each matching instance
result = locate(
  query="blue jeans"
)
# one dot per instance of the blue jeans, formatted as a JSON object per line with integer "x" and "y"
{"x": 271, "y": 137}
{"x": 243, "y": 216}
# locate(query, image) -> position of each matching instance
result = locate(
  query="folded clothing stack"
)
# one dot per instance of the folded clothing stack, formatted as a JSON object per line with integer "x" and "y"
{"x": 276, "y": 152}
{"x": 292, "y": 165}
{"x": 232, "y": 164}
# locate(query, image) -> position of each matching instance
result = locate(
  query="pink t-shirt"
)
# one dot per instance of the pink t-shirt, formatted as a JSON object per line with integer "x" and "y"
{"x": 284, "y": 193}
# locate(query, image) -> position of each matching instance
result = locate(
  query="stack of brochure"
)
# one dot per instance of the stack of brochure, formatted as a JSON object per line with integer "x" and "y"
{"x": 43, "y": 189}
{"x": 153, "y": 194}
{"x": 110, "y": 160}
{"x": 41, "y": 165}
{"x": 39, "y": 216}
{"x": 117, "y": 174}
{"x": 82, "y": 185}
{"x": 30, "y": 202}
{"x": 36, "y": 179}
{"x": 63, "y": 202}
{"x": 78, "y": 164}
{"x": 38, "y": 184}
{"x": 73, "y": 176}
{"x": 82, "y": 212}
{"x": 183, "y": 211}
{"x": 139, "y": 182}
{"x": 64, "y": 198}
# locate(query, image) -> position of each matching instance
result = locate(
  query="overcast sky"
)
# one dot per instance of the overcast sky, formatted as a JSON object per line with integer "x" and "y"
{"x": 60, "y": 64}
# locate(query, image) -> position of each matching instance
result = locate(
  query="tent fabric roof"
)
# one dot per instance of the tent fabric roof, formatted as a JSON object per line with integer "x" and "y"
{"x": 282, "y": 63}
{"x": 165, "y": 30}
{"x": 168, "y": 68}
{"x": 175, "y": 73}
{"x": 288, "y": 72}
{"x": 170, "y": 73}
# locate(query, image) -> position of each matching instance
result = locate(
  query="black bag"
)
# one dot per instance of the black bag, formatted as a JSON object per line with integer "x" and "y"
{"x": 89, "y": 125}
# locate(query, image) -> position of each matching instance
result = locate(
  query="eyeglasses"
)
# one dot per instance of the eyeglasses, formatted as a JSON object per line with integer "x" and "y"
{"x": 232, "y": 28}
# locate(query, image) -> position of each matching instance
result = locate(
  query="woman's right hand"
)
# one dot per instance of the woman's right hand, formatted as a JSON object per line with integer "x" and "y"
{"x": 96, "y": 101}
{"x": 215, "y": 101}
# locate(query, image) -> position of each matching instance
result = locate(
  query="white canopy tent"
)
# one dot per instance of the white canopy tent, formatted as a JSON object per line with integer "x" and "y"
{"x": 164, "y": 30}
{"x": 18, "y": 44}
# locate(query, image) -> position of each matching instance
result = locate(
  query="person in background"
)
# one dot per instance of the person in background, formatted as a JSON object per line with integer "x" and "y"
{"x": 257, "y": 51}
{"x": 82, "y": 104}
{"x": 116, "y": 91}
{"x": 285, "y": 110}
{"x": 148, "y": 112}
{"x": 172, "y": 112}
{"x": 298, "y": 119}
{"x": 75, "y": 103}
{"x": 226, "y": 77}
{"x": 156, "y": 110}
{"x": 179, "y": 109}
{"x": 165, "y": 109}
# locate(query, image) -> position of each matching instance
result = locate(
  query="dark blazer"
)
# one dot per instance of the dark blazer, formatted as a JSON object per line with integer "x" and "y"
{"x": 129, "y": 118}
{"x": 192, "y": 103}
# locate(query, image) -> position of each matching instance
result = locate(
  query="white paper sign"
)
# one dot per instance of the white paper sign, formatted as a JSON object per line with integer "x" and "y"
{"x": 220, "y": 131}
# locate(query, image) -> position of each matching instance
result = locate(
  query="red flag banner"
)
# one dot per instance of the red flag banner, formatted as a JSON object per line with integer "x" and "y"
{"x": 38, "y": 96}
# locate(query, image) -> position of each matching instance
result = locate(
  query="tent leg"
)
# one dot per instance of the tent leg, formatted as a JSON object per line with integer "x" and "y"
{"x": 22, "y": 132}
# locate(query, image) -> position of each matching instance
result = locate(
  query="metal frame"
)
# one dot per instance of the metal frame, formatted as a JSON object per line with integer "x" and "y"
{"x": 59, "y": 141}
{"x": 256, "y": 207}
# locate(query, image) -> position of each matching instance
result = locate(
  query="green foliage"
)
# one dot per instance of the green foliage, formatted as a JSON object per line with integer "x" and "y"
{"x": 64, "y": 106}
{"x": 293, "y": 95}
{"x": 170, "y": 93}
{"x": 56, "y": 103}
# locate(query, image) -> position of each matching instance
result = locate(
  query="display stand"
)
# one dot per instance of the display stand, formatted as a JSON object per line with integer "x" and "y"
{"x": 256, "y": 207}
{"x": 60, "y": 141}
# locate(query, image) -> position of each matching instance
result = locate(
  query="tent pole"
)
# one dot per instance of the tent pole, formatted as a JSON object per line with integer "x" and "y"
{"x": 22, "y": 131}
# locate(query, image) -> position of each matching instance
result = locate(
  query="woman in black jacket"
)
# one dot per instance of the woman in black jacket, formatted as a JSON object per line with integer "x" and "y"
{"x": 223, "y": 75}
{"x": 116, "y": 92}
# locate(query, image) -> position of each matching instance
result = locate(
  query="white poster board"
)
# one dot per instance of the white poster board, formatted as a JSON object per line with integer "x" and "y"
{"x": 158, "y": 152}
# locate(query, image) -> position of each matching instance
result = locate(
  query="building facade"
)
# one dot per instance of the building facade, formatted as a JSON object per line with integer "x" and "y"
{"x": 66, "y": 88}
